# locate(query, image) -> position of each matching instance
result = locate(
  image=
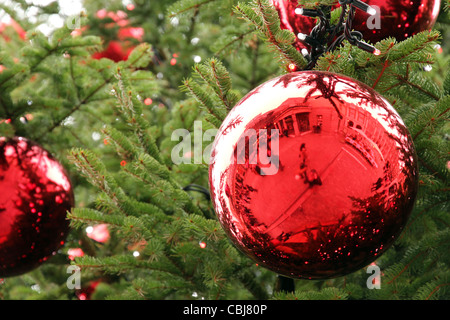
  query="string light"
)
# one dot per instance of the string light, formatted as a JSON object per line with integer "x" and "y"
{"x": 325, "y": 37}
{"x": 360, "y": 5}
{"x": 302, "y": 36}
{"x": 292, "y": 67}
{"x": 367, "y": 47}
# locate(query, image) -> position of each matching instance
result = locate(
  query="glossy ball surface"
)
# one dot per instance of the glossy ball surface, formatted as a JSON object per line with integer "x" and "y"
{"x": 313, "y": 175}
{"x": 400, "y": 19}
{"x": 35, "y": 194}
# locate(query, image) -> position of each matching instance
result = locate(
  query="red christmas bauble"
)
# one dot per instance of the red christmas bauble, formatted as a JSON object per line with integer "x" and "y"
{"x": 35, "y": 194}
{"x": 400, "y": 19}
{"x": 115, "y": 51}
{"x": 292, "y": 21}
{"x": 313, "y": 175}
{"x": 119, "y": 49}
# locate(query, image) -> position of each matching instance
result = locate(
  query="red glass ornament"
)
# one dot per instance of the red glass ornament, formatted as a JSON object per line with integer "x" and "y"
{"x": 313, "y": 175}
{"x": 35, "y": 194}
{"x": 120, "y": 48}
{"x": 86, "y": 293}
{"x": 396, "y": 18}
{"x": 292, "y": 21}
{"x": 115, "y": 52}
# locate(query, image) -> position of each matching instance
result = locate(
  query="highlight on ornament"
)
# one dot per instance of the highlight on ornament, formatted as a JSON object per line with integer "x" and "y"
{"x": 35, "y": 195}
{"x": 346, "y": 180}
{"x": 262, "y": 144}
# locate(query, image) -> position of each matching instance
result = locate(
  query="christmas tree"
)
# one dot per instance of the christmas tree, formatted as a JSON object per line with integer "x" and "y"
{"x": 121, "y": 92}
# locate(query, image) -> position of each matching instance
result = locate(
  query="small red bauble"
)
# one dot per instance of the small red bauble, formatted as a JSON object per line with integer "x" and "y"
{"x": 116, "y": 51}
{"x": 399, "y": 19}
{"x": 35, "y": 194}
{"x": 313, "y": 175}
{"x": 120, "y": 48}
{"x": 292, "y": 21}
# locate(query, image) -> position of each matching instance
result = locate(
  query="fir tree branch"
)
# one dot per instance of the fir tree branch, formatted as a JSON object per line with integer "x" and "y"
{"x": 134, "y": 61}
{"x": 265, "y": 18}
{"x": 436, "y": 289}
{"x": 238, "y": 38}
{"x": 186, "y": 5}
{"x": 248, "y": 280}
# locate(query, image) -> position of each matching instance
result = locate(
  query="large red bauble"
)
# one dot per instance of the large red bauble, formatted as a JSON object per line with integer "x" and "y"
{"x": 400, "y": 19}
{"x": 35, "y": 194}
{"x": 292, "y": 21}
{"x": 313, "y": 175}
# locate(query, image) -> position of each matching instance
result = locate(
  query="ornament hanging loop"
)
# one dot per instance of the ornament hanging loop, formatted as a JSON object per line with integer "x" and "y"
{"x": 325, "y": 37}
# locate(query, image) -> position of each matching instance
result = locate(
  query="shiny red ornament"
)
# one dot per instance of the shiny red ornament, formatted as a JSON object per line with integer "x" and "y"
{"x": 292, "y": 21}
{"x": 399, "y": 19}
{"x": 35, "y": 194}
{"x": 313, "y": 175}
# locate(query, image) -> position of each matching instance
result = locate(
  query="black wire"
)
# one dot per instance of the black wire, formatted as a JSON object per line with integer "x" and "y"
{"x": 326, "y": 38}
{"x": 197, "y": 188}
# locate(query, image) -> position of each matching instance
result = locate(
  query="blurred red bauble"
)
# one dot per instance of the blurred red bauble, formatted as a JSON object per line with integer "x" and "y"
{"x": 399, "y": 19}
{"x": 292, "y": 21}
{"x": 119, "y": 49}
{"x": 313, "y": 175}
{"x": 35, "y": 194}
{"x": 17, "y": 28}
{"x": 87, "y": 292}
{"x": 115, "y": 51}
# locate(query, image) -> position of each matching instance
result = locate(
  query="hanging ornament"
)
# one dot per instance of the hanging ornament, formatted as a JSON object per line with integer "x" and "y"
{"x": 87, "y": 292}
{"x": 292, "y": 21}
{"x": 119, "y": 48}
{"x": 400, "y": 19}
{"x": 325, "y": 36}
{"x": 35, "y": 194}
{"x": 313, "y": 175}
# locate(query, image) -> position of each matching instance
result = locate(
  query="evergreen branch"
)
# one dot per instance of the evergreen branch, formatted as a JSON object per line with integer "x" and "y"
{"x": 406, "y": 80}
{"x": 386, "y": 64}
{"x": 186, "y": 5}
{"x": 426, "y": 116}
{"x": 120, "y": 264}
{"x": 423, "y": 248}
{"x": 95, "y": 171}
{"x": 123, "y": 145}
{"x": 316, "y": 3}
{"x": 436, "y": 289}
{"x": 85, "y": 100}
{"x": 216, "y": 76}
{"x": 265, "y": 18}
{"x": 133, "y": 113}
{"x": 134, "y": 60}
{"x": 248, "y": 280}
{"x": 131, "y": 227}
{"x": 204, "y": 98}
{"x": 446, "y": 85}
{"x": 238, "y": 38}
